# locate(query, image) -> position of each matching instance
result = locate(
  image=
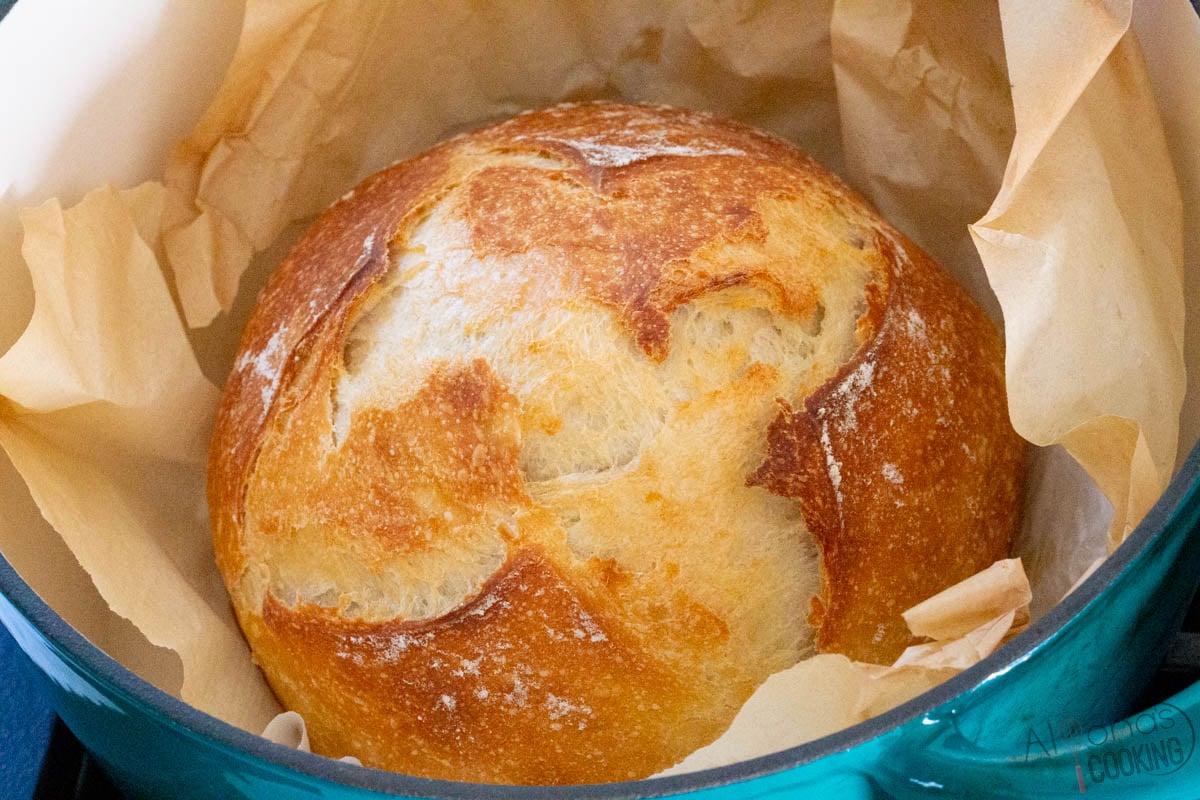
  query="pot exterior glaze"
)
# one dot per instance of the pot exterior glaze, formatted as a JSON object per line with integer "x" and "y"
{"x": 1033, "y": 720}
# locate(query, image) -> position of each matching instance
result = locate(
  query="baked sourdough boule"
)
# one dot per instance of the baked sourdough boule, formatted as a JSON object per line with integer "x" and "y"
{"x": 547, "y": 446}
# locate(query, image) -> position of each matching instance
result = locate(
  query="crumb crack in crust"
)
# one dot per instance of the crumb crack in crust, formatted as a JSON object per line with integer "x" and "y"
{"x": 546, "y": 447}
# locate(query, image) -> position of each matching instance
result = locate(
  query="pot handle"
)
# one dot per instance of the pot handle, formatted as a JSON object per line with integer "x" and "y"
{"x": 1150, "y": 755}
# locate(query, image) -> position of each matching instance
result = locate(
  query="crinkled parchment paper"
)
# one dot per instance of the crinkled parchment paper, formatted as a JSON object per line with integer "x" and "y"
{"x": 1066, "y": 181}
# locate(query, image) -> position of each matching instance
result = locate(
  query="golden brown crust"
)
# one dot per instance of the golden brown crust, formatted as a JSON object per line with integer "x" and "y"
{"x": 453, "y": 440}
{"x": 496, "y": 692}
{"x": 661, "y": 208}
{"x": 332, "y": 264}
{"x": 398, "y": 571}
{"x": 904, "y": 474}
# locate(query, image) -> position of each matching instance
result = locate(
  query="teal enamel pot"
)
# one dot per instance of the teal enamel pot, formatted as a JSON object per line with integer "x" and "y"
{"x": 1050, "y": 714}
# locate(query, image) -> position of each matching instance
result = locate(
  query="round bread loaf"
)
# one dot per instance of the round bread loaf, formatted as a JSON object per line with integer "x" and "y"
{"x": 547, "y": 446}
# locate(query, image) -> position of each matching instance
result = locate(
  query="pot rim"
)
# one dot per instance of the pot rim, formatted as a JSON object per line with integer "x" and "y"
{"x": 1183, "y": 490}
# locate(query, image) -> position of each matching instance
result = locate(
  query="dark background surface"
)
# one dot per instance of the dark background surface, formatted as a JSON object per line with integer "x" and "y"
{"x": 26, "y": 721}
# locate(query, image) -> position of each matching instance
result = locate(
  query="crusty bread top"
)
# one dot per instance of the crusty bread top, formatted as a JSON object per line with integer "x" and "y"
{"x": 605, "y": 378}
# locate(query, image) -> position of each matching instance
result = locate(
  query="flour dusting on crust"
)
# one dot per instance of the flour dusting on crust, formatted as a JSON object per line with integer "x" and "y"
{"x": 267, "y": 364}
{"x": 599, "y": 152}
